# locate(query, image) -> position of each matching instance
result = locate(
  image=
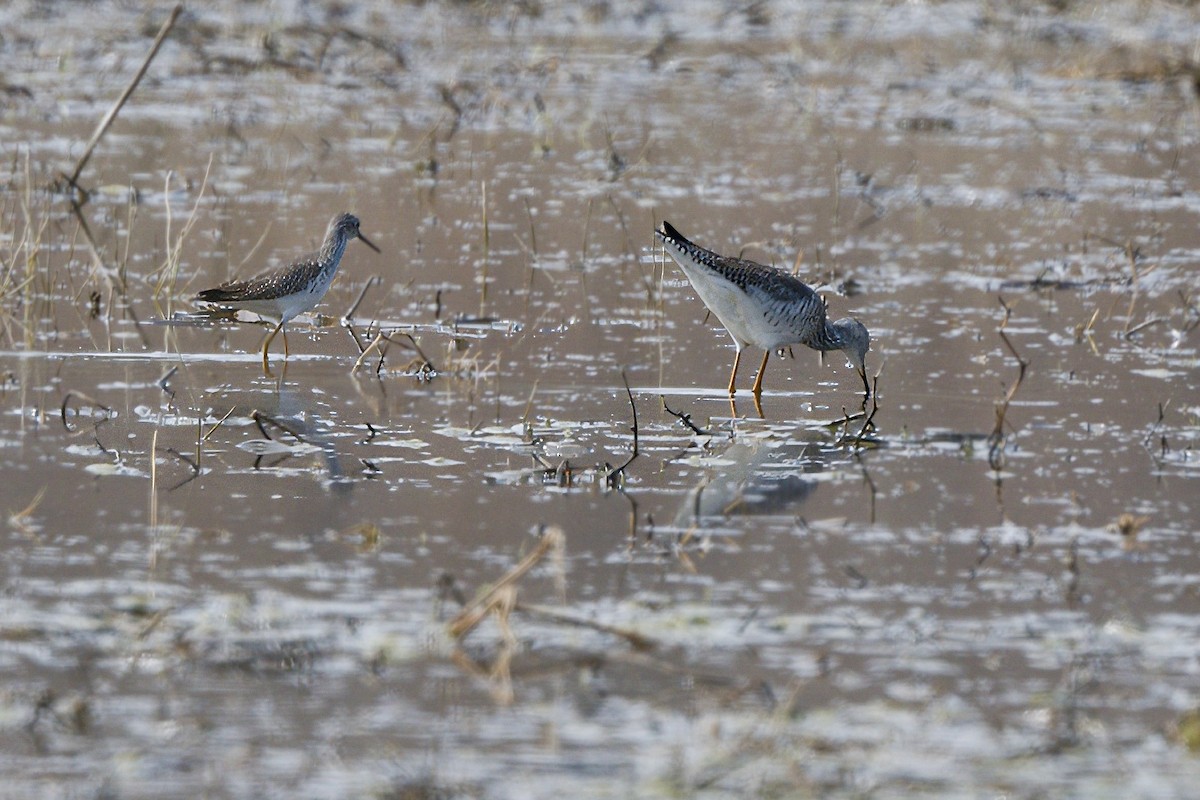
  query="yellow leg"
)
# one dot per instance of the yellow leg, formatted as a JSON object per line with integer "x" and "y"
{"x": 758, "y": 408}
{"x": 267, "y": 344}
{"x": 286, "y": 353}
{"x": 757, "y": 390}
{"x": 733, "y": 375}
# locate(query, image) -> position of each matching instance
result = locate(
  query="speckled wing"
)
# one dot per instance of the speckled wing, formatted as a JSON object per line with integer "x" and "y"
{"x": 748, "y": 276}
{"x": 783, "y": 309}
{"x": 270, "y": 286}
{"x": 789, "y": 303}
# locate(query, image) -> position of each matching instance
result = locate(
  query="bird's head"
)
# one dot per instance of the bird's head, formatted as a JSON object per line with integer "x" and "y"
{"x": 854, "y": 340}
{"x": 346, "y": 225}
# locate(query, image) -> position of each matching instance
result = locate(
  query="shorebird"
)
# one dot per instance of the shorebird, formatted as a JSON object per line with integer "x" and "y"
{"x": 284, "y": 293}
{"x": 764, "y": 307}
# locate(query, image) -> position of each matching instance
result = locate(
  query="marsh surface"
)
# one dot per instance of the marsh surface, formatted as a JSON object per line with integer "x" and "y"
{"x": 229, "y": 584}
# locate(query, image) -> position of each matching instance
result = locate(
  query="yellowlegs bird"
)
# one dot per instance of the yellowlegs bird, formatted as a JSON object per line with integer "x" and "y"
{"x": 764, "y": 307}
{"x": 286, "y": 292}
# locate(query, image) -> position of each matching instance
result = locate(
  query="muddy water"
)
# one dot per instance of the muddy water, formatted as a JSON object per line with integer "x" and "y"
{"x": 224, "y": 583}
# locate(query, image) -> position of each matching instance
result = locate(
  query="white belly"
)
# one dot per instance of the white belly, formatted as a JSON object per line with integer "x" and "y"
{"x": 739, "y": 312}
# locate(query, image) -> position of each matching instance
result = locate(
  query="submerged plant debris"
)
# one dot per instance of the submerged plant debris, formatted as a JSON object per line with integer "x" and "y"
{"x": 493, "y": 529}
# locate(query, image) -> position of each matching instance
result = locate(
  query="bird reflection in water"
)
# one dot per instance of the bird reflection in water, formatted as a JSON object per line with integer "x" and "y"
{"x": 753, "y": 477}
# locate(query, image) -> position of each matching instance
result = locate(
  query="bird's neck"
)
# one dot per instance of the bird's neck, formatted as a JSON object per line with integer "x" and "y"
{"x": 332, "y": 249}
{"x": 827, "y": 338}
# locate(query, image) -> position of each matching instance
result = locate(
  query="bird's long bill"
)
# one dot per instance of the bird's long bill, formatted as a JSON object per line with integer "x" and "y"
{"x": 862, "y": 373}
{"x": 369, "y": 243}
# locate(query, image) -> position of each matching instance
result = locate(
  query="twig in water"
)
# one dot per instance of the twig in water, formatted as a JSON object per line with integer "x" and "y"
{"x": 475, "y": 611}
{"x": 424, "y": 372}
{"x": 382, "y": 44}
{"x": 376, "y": 344}
{"x": 354, "y": 336}
{"x": 191, "y": 464}
{"x": 116, "y": 281}
{"x": 83, "y": 398}
{"x": 868, "y": 423}
{"x": 529, "y": 405}
{"x": 169, "y": 270}
{"x": 259, "y": 418}
{"x": 483, "y": 278}
{"x": 1140, "y": 326}
{"x": 1189, "y": 309}
{"x": 116, "y": 454}
{"x": 616, "y": 474}
{"x": 871, "y": 487}
{"x": 1132, "y": 254}
{"x": 427, "y": 369}
{"x": 252, "y": 253}
{"x": 1071, "y": 563}
{"x": 1154, "y": 429}
{"x": 533, "y": 247}
{"x": 218, "y": 424}
{"x": 637, "y": 640}
{"x": 587, "y": 227}
{"x": 686, "y": 419}
{"x": 1162, "y": 415}
{"x": 154, "y": 499}
{"x": 532, "y": 251}
{"x": 102, "y": 128}
{"x": 349, "y": 315}
{"x": 583, "y": 263}
{"x": 630, "y": 250}
{"x": 985, "y": 552}
{"x": 997, "y": 439}
{"x": 153, "y": 622}
{"x": 163, "y": 382}
{"x": 498, "y": 673}
{"x": 20, "y": 519}
{"x": 112, "y": 276}
{"x": 1085, "y": 332}
{"x": 846, "y": 417}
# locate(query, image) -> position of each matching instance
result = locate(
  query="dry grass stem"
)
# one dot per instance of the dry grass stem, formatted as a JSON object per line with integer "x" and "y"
{"x": 637, "y": 640}
{"x": 349, "y": 315}
{"x": 153, "y": 496}
{"x": 1085, "y": 332}
{"x": 21, "y": 520}
{"x": 1129, "y": 332}
{"x": 483, "y": 278}
{"x": 216, "y": 425}
{"x": 168, "y": 273}
{"x": 553, "y": 539}
{"x": 376, "y": 344}
{"x": 102, "y": 128}
{"x": 498, "y": 675}
{"x": 998, "y": 438}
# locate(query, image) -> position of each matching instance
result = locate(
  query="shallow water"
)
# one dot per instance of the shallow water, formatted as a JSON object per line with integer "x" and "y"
{"x": 225, "y": 583}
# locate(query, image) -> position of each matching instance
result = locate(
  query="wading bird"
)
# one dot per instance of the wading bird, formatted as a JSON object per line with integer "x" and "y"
{"x": 284, "y": 293}
{"x": 764, "y": 307}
